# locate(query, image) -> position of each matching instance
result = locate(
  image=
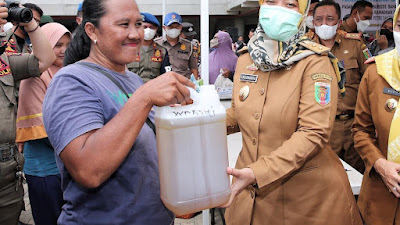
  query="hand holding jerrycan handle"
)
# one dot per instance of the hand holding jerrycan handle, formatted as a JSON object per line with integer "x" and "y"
{"x": 192, "y": 153}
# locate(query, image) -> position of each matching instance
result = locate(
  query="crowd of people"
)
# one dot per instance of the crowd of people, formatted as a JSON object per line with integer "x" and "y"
{"x": 308, "y": 89}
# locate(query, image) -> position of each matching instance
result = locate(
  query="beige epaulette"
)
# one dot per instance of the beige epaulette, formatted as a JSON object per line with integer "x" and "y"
{"x": 315, "y": 47}
{"x": 353, "y": 36}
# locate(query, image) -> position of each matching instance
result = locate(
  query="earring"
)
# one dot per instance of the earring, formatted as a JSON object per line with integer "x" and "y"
{"x": 95, "y": 41}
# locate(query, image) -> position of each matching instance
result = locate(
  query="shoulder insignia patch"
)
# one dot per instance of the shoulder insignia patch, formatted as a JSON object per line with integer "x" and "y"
{"x": 322, "y": 93}
{"x": 315, "y": 47}
{"x": 367, "y": 53}
{"x": 353, "y": 36}
{"x": 319, "y": 76}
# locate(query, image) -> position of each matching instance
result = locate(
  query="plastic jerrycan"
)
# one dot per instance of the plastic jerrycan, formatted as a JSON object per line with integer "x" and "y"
{"x": 192, "y": 153}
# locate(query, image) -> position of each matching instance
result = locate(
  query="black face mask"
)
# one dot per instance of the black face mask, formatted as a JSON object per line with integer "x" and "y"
{"x": 388, "y": 34}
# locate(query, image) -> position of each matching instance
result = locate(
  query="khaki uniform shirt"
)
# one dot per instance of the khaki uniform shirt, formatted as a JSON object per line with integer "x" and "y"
{"x": 286, "y": 122}
{"x": 346, "y": 27}
{"x": 181, "y": 56}
{"x": 371, "y": 129}
{"x": 348, "y": 49}
{"x": 148, "y": 63}
{"x": 13, "y": 68}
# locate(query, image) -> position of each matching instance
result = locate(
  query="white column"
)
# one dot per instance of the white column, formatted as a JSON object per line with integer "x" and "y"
{"x": 164, "y": 9}
{"x": 204, "y": 40}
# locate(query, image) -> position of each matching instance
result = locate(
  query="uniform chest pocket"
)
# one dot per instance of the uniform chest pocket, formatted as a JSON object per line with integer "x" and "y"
{"x": 353, "y": 75}
{"x": 7, "y": 86}
{"x": 133, "y": 65}
{"x": 183, "y": 56}
{"x": 155, "y": 65}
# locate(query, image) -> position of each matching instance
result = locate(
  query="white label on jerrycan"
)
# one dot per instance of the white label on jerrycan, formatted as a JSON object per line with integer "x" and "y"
{"x": 192, "y": 154}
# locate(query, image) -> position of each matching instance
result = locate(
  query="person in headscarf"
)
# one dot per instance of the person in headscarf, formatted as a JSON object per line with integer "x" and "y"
{"x": 385, "y": 41}
{"x": 42, "y": 174}
{"x": 376, "y": 132}
{"x": 284, "y": 103}
{"x": 222, "y": 60}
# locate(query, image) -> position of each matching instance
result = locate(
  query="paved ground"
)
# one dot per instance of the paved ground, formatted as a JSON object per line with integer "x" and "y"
{"x": 26, "y": 216}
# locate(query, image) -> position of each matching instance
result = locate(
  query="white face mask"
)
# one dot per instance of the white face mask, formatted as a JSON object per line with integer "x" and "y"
{"x": 149, "y": 34}
{"x": 326, "y": 32}
{"x": 309, "y": 22}
{"x": 362, "y": 25}
{"x": 173, "y": 33}
{"x": 396, "y": 36}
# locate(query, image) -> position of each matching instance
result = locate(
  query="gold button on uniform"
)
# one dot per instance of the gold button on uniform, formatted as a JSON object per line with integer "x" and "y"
{"x": 254, "y": 141}
{"x": 262, "y": 91}
{"x": 256, "y": 116}
{"x": 252, "y": 194}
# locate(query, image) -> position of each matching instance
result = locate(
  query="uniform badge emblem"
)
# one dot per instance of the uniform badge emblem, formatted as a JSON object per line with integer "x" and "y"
{"x": 183, "y": 47}
{"x": 244, "y": 93}
{"x": 322, "y": 93}
{"x": 157, "y": 53}
{"x": 391, "y": 104}
{"x": 319, "y": 76}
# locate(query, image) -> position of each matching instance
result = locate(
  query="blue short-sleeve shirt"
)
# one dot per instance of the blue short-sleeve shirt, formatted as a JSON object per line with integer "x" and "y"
{"x": 78, "y": 100}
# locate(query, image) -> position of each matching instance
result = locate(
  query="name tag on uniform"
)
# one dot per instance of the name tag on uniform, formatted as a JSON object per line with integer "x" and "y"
{"x": 391, "y": 91}
{"x": 248, "y": 78}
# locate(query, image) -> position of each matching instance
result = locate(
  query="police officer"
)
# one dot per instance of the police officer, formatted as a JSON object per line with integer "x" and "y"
{"x": 351, "y": 53}
{"x": 150, "y": 61}
{"x": 15, "y": 67}
{"x": 189, "y": 33}
{"x": 180, "y": 50}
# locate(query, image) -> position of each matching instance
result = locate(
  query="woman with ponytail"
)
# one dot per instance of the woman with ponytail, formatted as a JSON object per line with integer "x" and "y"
{"x": 99, "y": 120}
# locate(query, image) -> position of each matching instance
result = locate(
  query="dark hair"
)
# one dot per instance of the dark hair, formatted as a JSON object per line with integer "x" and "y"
{"x": 35, "y": 7}
{"x": 252, "y": 30}
{"x": 79, "y": 48}
{"x": 329, "y": 3}
{"x": 360, "y": 6}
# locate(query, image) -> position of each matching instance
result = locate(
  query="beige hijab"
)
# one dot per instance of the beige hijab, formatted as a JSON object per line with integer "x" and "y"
{"x": 29, "y": 116}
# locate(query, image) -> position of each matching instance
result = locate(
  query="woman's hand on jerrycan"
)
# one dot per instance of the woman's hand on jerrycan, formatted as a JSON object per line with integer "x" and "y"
{"x": 244, "y": 177}
{"x": 168, "y": 89}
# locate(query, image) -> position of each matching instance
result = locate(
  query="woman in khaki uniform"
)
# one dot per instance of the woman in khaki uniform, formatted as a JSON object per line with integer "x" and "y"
{"x": 376, "y": 131}
{"x": 284, "y": 102}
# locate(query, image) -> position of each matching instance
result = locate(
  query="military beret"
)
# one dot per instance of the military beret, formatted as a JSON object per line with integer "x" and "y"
{"x": 149, "y": 18}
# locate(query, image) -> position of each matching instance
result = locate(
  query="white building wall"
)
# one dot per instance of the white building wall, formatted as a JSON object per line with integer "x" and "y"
{"x": 183, "y": 7}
